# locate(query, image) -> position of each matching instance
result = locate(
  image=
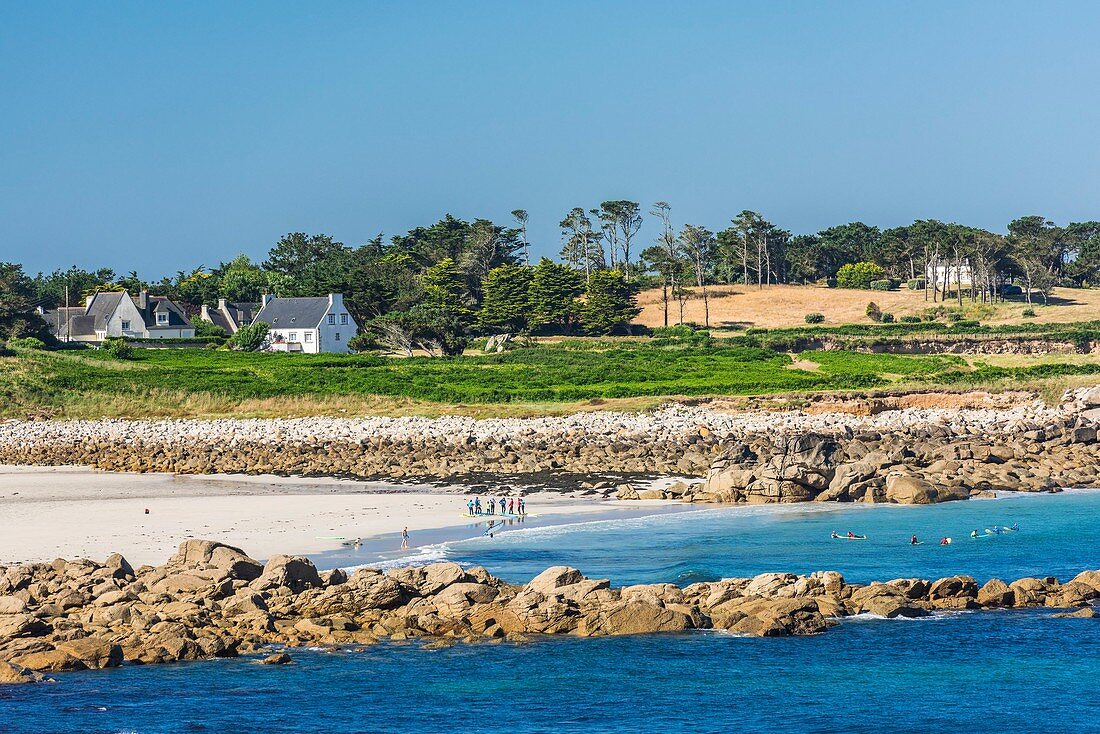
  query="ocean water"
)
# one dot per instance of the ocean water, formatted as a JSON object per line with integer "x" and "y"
{"x": 972, "y": 670}
{"x": 1059, "y": 536}
{"x": 958, "y": 672}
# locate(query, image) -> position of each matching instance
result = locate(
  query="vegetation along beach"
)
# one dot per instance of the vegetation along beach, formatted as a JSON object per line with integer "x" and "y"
{"x": 552, "y": 367}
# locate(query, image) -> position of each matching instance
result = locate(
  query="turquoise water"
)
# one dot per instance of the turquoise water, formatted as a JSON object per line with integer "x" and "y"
{"x": 971, "y": 672}
{"x": 1059, "y": 536}
{"x": 952, "y": 671}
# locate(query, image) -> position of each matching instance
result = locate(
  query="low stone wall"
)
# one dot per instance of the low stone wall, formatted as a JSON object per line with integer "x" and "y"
{"x": 211, "y": 600}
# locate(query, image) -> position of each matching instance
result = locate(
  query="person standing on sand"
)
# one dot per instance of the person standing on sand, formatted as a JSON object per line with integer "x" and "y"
{"x": 477, "y": 505}
{"x": 470, "y": 507}
{"x": 522, "y": 507}
{"x": 405, "y": 538}
{"x": 511, "y": 506}
{"x": 503, "y": 504}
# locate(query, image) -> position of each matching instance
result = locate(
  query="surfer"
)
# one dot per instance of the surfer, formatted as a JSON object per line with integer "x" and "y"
{"x": 974, "y": 533}
{"x": 945, "y": 541}
{"x": 914, "y": 541}
{"x": 851, "y": 535}
{"x": 836, "y": 535}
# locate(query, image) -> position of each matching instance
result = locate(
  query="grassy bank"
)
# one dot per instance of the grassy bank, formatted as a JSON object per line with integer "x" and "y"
{"x": 550, "y": 379}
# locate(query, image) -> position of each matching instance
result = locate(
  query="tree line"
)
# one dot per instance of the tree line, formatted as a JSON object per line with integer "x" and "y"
{"x": 433, "y": 286}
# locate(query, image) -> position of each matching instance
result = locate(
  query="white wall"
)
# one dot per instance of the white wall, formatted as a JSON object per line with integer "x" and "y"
{"x": 126, "y": 311}
{"x": 308, "y": 347}
{"x": 334, "y": 337}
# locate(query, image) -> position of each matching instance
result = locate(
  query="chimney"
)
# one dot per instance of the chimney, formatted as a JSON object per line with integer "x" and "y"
{"x": 266, "y": 298}
{"x": 221, "y": 304}
{"x": 204, "y": 313}
{"x": 88, "y": 301}
{"x": 143, "y": 300}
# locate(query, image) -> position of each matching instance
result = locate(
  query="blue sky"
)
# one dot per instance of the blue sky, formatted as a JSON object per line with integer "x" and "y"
{"x": 157, "y": 136}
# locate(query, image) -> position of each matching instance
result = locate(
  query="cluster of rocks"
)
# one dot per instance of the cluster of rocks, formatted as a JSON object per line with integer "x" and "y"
{"x": 211, "y": 600}
{"x": 677, "y": 439}
{"x": 912, "y": 464}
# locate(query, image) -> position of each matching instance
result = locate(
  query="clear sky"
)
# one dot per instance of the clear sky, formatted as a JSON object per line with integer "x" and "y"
{"x": 157, "y": 136}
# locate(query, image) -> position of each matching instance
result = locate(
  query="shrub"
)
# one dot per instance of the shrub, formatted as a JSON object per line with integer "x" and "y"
{"x": 204, "y": 328}
{"x": 31, "y": 342}
{"x": 882, "y": 285}
{"x": 954, "y": 316}
{"x": 909, "y": 319}
{"x": 1028, "y": 313}
{"x": 887, "y": 318}
{"x": 117, "y": 347}
{"x": 815, "y": 318}
{"x": 249, "y": 338}
{"x": 1010, "y": 289}
{"x": 859, "y": 275}
{"x": 873, "y": 311}
{"x": 967, "y": 323}
{"x": 360, "y": 343}
{"x": 916, "y": 284}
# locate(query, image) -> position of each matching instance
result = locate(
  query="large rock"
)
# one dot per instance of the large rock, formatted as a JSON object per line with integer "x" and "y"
{"x": 906, "y": 489}
{"x": 884, "y": 600}
{"x": 553, "y": 578}
{"x": 635, "y": 618}
{"x": 53, "y": 661}
{"x": 10, "y": 673}
{"x": 21, "y": 625}
{"x": 12, "y": 605}
{"x": 93, "y": 652}
{"x": 296, "y": 573}
{"x": 995, "y": 593}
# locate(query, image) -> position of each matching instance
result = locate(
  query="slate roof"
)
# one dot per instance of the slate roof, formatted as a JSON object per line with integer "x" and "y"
{"x": 102, "y": 306}
{"x": 285, "y": 313}
{"x": 176, "y": 317}
{"x": 70, "y": 322}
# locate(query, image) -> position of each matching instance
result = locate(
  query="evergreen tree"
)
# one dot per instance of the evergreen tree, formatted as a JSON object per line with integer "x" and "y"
{"x": 609, "y": 302}
{"x": 444, "y": 287}
{"x": 553, "y": 295}
{"x": 17, "y": 315}
{"x": 506, "y": 299}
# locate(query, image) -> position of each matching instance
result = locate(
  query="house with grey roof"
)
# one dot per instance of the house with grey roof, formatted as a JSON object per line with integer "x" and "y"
{"x": 310, "y": 325}
{"x": 117, "y": 313}
{"x": 230, "y": 315}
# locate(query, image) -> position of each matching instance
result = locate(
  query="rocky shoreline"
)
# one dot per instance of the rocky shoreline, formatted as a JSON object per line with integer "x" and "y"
{"x": 906, "y": 454}
{"x": 211, "y": 600}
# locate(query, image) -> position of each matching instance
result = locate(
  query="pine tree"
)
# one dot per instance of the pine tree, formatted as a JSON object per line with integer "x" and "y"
{"x": 609, "y": 302}
{"x": 553, "y": 295}
{"x": 506, "y": 299}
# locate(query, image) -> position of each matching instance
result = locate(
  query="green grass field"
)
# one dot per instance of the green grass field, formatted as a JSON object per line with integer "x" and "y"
{"x": 547, "y": 378}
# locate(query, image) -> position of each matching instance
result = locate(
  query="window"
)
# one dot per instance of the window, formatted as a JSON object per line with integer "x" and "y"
{"x": 332, "y": 319}
{"x": 343, "y": 319}
{"x": 337, "y": 336}
{"x": 292, "y": 336}
{"x": 162, "y": 318}
{"x": 125, "y": 325}
{"x": 309, "y": 337}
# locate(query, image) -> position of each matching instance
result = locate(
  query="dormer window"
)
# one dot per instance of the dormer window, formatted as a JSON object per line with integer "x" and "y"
{"x": 332, "y": 319}
{"x": 162, "y": 318}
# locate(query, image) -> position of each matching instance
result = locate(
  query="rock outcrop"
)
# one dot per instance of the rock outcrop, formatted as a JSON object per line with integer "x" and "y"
{"x": 211, "y": 600}
{"x": 901, "y": 462}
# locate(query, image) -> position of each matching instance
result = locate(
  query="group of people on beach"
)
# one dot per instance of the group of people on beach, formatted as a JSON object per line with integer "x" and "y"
{"x": 508, "y": 506}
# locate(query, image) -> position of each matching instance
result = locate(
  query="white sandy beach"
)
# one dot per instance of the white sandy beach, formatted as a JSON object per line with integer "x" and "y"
{"x": 51, "y": 512}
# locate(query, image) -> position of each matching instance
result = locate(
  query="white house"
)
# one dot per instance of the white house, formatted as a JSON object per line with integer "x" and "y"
{"x": 117, "y": 313}
{"x": 310, "y": 325}
{"x": 948, "y": 273}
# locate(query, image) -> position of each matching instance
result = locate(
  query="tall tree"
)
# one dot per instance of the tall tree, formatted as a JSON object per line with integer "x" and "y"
{"x": 698, "y": 246}
{"x": 17, "y": 315}
{"x": 553, "y": 295}
{"x": 1039, "y": 249}
{"x": 581, "y": 246}
{"x": 620, "y": 220}
{"x": 507, "y": 302}
{"x": 609, "y": 303}
{"x": 241, "y": 280}
{"x": 664, "y": 256}
{"x": 444, "y": 287}
{"x": 314, "y": 264}
{"x": 520, "y": 215}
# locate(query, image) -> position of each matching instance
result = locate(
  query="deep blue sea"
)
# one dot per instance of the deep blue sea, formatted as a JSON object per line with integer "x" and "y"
{"x": 959, "y": 671}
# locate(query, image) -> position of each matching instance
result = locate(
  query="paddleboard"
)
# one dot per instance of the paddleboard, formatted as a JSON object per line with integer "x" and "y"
{"x": 845, "y": 537}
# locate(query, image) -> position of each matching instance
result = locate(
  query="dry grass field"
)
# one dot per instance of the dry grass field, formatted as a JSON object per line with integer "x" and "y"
{"x": 787, "y": 305}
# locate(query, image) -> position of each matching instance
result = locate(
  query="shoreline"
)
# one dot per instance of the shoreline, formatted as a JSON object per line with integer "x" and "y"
{"x": 81, "y": 512}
